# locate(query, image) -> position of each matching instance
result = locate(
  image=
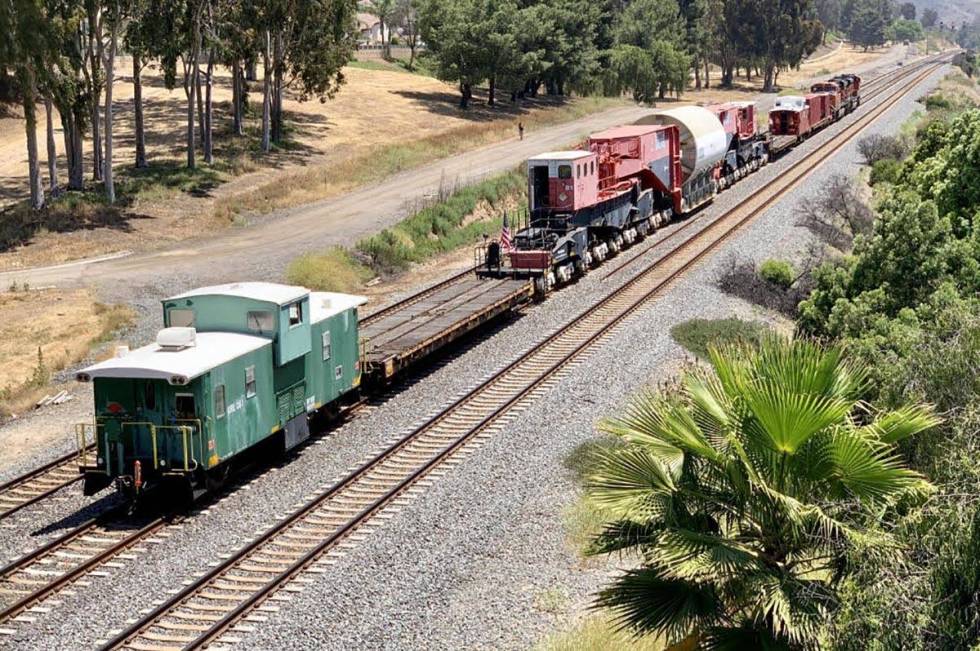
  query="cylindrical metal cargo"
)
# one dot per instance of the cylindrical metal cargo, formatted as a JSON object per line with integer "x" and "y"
{"x": 703, "y": 139}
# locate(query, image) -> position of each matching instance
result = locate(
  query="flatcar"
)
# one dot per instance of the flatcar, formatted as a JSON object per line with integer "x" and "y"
{"x": 236, "y": 367}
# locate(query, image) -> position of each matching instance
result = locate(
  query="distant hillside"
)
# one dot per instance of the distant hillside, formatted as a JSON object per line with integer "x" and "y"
{"x": 955, "y": 11}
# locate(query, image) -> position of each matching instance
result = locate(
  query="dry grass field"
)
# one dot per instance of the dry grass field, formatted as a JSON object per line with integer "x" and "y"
{"x": 381, "y": 122}
{"x": 43, "y": 332}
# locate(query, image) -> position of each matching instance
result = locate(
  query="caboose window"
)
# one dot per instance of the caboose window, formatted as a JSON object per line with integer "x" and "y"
{"x": 295, "y": 314}
{"x": 564, "y": 171}
{"x": 249, "y": 381}
{"x": 219, "y": 401}
{"x": 260, "y": 321}
{"x": 591, "y": 168}
{"x": 325, "y": 340}
{"x": 661, "y": 138}
{"x": 181, "y": 318}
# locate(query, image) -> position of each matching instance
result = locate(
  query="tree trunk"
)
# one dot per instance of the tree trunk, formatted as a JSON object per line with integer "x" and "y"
{"x": 385, "y": 49}
{"x": 52, "y": 150}
{"x": 707, "y": 73}
{"x": 71, "y": 117}
{"x": 768, "y": 86}
{"x": 95, "y": 90}
{"x": 200, "y": 98}
{"x": 278, "y": 67}
{"x": 236, "y": 97}
{"x": 697, "y": 75}
{"x": 192, "y": 92}
{"x": 208, "y": 113}
{"x": 465, "y": 94}
{"x": 138, "y": 111}
{"x": 27, "y": 89}
{"x": 492, "y": 97}
{"x": 266, "y": 90}
{"x": 110, "y": 72}
{"x": 251, "y": 72}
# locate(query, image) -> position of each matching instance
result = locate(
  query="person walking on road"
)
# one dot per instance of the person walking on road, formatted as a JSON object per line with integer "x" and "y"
{"x": 520, "y": 130}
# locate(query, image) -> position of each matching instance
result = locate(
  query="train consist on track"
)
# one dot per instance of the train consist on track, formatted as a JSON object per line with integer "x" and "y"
{"x": 249, "y": 367}
{"x": 587, "y": 204}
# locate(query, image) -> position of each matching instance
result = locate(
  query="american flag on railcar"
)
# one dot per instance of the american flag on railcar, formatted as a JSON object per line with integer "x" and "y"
{"x": 505, "y": 242}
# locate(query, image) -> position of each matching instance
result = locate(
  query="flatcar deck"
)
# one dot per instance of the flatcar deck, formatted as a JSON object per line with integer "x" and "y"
{"x": 396, "y": 339}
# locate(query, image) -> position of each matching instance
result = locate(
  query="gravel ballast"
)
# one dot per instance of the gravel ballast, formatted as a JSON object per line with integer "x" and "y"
{"x": 466, "y": 564}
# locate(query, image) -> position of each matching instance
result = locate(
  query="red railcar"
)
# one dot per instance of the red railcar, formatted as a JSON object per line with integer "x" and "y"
{"x": 821, "y": 107}
{"x": 790, "y": 117}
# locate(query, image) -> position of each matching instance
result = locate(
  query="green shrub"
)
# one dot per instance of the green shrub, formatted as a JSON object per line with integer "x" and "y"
{"x": 777, "y": 272}
{"x": 439, "y": 228}
{"x": 937, "y": 101}
{"x": 334, "y": 270}
{"x": 697, "y": 335}
{"x": 886, "y": 170}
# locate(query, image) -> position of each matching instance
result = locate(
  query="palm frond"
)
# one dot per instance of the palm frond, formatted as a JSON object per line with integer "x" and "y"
{"x": 742, "y": 637}
{"x": 789, "y": 419}
{"x": 631, "y": 483}
{"x": 902, "y": 423}
{"x": 695, "y": 556}
{"x": 624, "y": 535}
{"x": 868, "y": 470}
{"x": 644, "y": 601}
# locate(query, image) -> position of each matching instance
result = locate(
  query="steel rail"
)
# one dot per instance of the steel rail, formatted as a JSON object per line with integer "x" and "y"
{"x": 557, "y": 351}
{"x": 39, "y": 483}
{"x": 47, "y": 554}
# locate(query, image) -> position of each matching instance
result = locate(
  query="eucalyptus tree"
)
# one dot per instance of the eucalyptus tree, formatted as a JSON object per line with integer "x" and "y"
{"x": 24, "y": 49}
{"x": 740, "y": 493}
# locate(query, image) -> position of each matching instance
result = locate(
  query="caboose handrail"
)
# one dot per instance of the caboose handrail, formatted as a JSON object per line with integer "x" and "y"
{"x": 153, "y": 436}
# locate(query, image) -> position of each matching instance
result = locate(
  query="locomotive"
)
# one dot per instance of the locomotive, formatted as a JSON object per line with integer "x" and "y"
{"x": 236, "y": 368}
{"x": 585, "y": 205}
{"x": 828, "y": 101}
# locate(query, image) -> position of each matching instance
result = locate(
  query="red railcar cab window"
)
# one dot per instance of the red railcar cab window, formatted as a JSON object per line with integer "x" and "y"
{"x": 564, "y": 171}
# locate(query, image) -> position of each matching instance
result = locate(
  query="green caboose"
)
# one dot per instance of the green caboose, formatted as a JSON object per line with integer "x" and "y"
{"x": 237, "y": 366}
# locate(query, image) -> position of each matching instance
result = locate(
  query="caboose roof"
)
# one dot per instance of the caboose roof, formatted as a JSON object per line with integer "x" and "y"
{"x": 324, "y": 305}
{"x": 561, "y": 155}
{"x": 259, "y": 291}
{"x": 212, "y": 349}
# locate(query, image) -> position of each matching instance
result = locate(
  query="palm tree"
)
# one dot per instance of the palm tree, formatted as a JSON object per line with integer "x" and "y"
{"x": 740, "y": 492}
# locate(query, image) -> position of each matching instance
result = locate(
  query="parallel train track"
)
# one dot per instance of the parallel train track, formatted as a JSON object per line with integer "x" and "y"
{"x": 213, "y": 608}
{"x": 63, "y": 562}
{"x": 39, "y": 484}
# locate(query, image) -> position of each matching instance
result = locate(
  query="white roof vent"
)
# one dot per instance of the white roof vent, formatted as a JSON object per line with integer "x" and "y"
{"x": 176, "y": 338}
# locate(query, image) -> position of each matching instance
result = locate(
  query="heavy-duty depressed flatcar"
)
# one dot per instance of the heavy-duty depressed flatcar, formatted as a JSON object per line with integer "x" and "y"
{"x": 236, "y": 367}
{"x": 587, "y": 204}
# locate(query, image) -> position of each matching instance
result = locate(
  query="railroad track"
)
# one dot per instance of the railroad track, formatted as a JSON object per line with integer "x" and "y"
{"x": 52, "y": 568}
{"x": 39, "y": 483}
{"x": 218, "y": 605}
